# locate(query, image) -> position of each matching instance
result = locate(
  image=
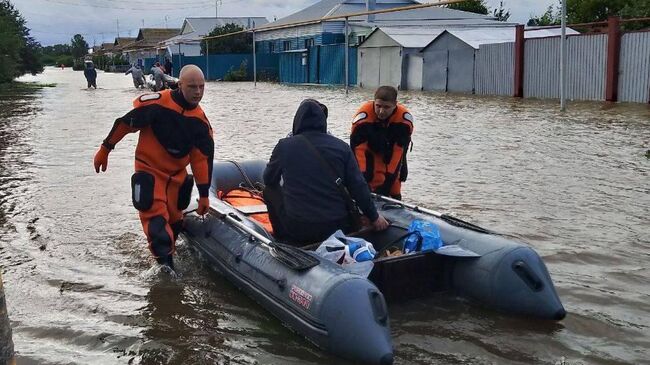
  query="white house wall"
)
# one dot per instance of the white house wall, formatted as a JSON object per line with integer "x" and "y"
{"x": 312, "y": 29}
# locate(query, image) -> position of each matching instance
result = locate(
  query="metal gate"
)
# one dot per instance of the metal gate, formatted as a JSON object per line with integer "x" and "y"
{"x": 460, "y": 70}
{"x": 434, "y": 71}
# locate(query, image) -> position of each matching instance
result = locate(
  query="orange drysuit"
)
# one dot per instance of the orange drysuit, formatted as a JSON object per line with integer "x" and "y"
{"x": 380, "y": 147}
{"x": 173, "y": 134}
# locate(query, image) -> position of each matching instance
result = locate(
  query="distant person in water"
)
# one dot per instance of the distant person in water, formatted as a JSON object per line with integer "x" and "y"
{"x": 91, "y": 75}
{"x": 138, "y": 76}
{"x": 168, "y": 66}
{"x": 158, "y": 76}
{"x": 173, "y": 133}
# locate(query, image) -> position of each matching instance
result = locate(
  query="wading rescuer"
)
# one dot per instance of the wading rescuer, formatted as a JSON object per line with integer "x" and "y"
{"x": 381, "y": 134}
{"x": 174, "y": 132}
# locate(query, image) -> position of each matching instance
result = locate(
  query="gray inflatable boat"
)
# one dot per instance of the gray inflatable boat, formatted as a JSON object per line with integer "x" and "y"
{"x": 347, "y": 314}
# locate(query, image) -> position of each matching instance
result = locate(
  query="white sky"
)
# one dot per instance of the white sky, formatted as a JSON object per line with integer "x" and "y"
{"x": 56, "y": 21}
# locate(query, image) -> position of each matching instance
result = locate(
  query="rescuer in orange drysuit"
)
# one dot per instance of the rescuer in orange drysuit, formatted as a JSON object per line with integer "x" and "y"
{"x": 174, "y": 132}
{"x": 381, "y": 134}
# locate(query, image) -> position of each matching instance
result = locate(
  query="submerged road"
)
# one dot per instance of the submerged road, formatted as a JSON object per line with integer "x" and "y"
{"x": 81, "y": 289}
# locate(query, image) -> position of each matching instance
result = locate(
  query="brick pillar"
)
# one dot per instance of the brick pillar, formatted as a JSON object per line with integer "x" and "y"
{"x": 518, "y": 91}
{"x": 613, "y": 57}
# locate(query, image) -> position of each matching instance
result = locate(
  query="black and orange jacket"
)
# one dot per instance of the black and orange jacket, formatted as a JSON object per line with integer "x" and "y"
{"x": 173, "y": 134}
{"x": 380, "y": 146}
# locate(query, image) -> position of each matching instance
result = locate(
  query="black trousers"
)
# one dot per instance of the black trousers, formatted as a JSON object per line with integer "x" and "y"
{"x": 293, "y": 231}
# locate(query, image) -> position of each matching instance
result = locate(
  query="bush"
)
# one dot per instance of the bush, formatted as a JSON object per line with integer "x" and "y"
{"x": 240, "y": 74}
{"x": 65, "y": 60}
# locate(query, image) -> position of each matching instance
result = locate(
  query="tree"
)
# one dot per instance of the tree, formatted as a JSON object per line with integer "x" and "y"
{"x": 472, "y": 6}
{"x": 238, "y": 43}
{"x": 587, "y": 11}
{"x": 550, "y": 17}
{"x": 500, "y": 13}
{"x": 78, "y": 46}
{"x": 19, "y": 53}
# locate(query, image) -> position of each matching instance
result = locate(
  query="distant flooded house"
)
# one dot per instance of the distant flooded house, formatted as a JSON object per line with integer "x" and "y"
{"x": 188, "y": 41}
{"x": 146, "y": 43}
{"x": 311, "y": 45}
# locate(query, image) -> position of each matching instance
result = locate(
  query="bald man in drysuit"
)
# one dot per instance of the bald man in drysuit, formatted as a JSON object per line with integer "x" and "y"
{"x": 174, "y": 133}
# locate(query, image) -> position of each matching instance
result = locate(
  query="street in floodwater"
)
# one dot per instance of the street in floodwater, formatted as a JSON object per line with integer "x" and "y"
{"x": 79, "y": 280}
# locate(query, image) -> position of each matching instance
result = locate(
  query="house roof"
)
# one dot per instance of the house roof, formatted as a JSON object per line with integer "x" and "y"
{"x": 202, "y": 26}
{"x": 409, "y": 37}
{"x": 121, "y": 42}
{"x": 325, "y": 8}
{"x": 194, "y": 29}
{"x": 151, "y": 37}
{"x": 474, "y": 37}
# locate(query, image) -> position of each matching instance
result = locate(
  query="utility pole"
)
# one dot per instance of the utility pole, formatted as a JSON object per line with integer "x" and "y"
{"x": 118, "y": 27}
{"x": 142, "y": 23}
{"x": 563, "y": 59}
{"x": 166, "y": 17}
{"x": 216, "y": 8}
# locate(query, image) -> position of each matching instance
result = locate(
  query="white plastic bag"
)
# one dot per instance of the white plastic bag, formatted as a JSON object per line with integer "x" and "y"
{"x": 346, "y": 251}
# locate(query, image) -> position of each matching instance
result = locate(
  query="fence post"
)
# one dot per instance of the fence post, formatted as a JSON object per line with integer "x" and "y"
{"x": 518, "y": 90}
{"x": 6, "y": 345}
{"x": 254, "y": 60}
{"x": 207, "y": 60}
{"x": 347, "y": 57}
{"x": 613, "y": 58}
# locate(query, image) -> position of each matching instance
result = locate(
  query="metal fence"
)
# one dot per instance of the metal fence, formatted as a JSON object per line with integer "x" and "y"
{"x": 586, "y": 67}
{"x": 216, "y": 66}
{"x": 634, "y": 68}
{"x": 318, "y": 65}
{"x": 494, "y": 69}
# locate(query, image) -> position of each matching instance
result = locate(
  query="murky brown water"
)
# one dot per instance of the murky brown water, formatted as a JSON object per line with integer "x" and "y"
{"x": 78, "y": 277}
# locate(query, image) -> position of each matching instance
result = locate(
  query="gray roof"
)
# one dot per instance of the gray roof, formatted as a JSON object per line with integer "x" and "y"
{"x": 474, "y": 37}
{"x": 203, "y": 26}
{"x": 325, "y": 8}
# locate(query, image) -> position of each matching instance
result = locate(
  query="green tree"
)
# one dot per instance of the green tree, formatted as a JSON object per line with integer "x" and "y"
{"x": 238, "y": 43}
{"x": 587, "y": 11}
{"x": 78, "y": 46}
{"x": 472, "y": 6}
{"x": 19, "y": 53}
{"x": 552, "y": 16}
{"x": 500, "y": 13}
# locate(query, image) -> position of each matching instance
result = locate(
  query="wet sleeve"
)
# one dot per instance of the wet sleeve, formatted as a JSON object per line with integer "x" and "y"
{"x": 131, "y": 122}
{"x": 273, "y": 170}
{"x": 201, "y": 160}
{"x": 358, "y": 188}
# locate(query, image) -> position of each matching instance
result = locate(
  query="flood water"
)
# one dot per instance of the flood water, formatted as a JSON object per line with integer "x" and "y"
{"x": 82, "y": 289}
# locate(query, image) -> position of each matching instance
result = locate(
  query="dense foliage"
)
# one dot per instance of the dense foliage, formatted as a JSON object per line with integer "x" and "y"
{"x": 19, "y": 52}
{"x": 238, "y": 43}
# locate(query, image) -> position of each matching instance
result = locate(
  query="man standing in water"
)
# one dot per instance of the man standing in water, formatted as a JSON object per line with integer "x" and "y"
{"x": 138, "y": 76}
{"x": 91, "y": 75}
{"x": 381, "y": 134}
{"x": 174, "y": 132}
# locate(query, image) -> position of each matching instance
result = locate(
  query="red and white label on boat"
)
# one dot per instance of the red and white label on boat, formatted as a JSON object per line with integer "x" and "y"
{"x": 300, "y": 296}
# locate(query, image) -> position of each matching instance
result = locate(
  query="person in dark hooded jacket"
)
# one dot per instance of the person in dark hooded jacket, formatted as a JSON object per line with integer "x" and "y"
{"x": 91, "y": 75}
{"x": 305, "y": 204}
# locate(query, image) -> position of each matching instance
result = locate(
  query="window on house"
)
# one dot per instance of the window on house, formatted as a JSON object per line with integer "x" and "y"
{"x": 271, "y": 47}
{"x": 286, "y": 45}
{"x": 360, "y": 39}
{"x": 309, "y": 42}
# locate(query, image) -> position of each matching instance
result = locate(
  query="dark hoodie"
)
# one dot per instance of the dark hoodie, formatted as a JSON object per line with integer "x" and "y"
{"x": 310, "y": 193}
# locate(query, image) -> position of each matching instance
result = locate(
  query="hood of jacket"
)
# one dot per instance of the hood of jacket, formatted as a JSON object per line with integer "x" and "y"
{"x": 310, "y": 116}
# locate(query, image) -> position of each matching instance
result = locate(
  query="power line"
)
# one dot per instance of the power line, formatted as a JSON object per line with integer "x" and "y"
{"x": 148, "y": 8}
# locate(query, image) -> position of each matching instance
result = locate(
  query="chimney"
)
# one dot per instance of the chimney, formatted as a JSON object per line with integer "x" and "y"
{"x": 370, "y": 6}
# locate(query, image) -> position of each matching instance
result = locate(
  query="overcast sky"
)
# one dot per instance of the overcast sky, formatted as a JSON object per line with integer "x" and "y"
{"x": 56, "y": 21}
